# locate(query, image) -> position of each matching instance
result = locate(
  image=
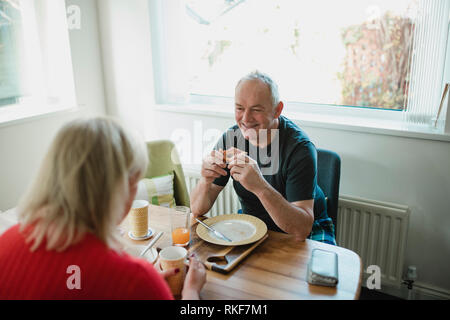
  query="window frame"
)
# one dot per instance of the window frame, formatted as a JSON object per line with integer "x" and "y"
{"x": 40, "y": 49}
{"x": 384, "y": 119}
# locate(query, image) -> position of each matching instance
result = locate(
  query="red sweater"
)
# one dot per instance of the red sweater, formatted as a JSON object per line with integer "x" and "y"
{"x": 102, "y": 273}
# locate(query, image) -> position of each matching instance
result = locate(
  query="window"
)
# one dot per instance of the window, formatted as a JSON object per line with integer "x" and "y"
{"x": 35, "y": 64}
{"x": 11, "y": 52}
{"x": 338, "y": 53}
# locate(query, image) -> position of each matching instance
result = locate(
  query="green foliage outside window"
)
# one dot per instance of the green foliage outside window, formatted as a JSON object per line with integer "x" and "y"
{"x": 377, "y": 65}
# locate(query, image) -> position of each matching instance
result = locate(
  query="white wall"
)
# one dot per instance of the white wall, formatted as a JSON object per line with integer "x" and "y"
{"x": 24, "y": 144}
{"x": 402, "y": 170}
{"x": 127, "y": 62}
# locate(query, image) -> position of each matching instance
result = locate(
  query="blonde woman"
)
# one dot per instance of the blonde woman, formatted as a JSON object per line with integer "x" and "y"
{"x": 68, "y": 223}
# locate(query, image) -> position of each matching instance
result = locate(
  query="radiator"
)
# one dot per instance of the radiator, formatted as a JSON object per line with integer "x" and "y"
{"x": 376, "y": 231}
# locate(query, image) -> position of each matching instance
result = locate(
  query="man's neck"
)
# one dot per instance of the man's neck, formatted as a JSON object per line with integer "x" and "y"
{"x": 262, "y": 143}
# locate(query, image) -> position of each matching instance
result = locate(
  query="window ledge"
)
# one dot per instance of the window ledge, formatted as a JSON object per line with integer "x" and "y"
{"x": 16, "y": 114}
{"x": 324, "y": 120}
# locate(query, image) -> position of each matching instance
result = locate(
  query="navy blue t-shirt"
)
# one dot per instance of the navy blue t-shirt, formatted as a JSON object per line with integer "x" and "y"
{"x": 293, "y": 173}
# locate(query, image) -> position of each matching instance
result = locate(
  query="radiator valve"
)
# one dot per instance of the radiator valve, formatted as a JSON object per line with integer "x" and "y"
{"x": 411, "y": 276}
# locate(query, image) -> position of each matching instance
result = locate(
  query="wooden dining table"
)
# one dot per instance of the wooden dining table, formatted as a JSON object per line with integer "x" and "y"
{"x": 276, "y": 269}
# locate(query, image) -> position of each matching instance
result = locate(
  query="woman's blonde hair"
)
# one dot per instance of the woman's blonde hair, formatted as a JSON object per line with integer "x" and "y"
{"x": 83, "y": 184}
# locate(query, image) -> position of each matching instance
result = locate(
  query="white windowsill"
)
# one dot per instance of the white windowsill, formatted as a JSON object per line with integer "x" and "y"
{"x": 343, "y": 121}
{"x": 16, "y": 114}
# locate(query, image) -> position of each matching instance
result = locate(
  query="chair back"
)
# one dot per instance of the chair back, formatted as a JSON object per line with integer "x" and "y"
{"x": 163, "y": 159}
{"x": 328, "y": 178}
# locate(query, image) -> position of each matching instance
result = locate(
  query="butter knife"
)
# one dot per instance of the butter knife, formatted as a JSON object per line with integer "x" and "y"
{"x": 214, "y": 231}
{"x": 151, "y": 243}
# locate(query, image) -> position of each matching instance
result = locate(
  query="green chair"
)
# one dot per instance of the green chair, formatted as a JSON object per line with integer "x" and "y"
{"x": 163, "y": 159}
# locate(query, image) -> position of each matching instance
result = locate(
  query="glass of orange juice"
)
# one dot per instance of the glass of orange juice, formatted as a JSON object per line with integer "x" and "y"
{"x": 180, "y": 223}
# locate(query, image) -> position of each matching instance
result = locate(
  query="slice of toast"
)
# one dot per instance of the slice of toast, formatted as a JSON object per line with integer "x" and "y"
{"x": 230, "y": 153}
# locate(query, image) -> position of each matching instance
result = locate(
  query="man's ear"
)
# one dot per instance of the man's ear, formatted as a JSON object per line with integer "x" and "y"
{"x": 278, "y": 109}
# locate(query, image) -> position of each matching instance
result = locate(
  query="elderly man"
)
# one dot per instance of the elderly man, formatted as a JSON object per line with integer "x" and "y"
{"x": 273, "y": 165}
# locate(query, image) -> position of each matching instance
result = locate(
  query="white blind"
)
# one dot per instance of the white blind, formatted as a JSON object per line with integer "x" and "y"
{"x": 427, "y": 61}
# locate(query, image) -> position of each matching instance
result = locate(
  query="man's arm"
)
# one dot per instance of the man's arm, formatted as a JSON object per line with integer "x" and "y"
{"x": 294, "y": 218}
{"x": 203, "y": 197}
{"x": 205, "y": 192}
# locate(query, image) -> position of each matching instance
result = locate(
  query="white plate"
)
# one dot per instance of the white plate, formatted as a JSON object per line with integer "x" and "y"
{"x": 236, "y": 230}
{"x": 241, "y": 228}
{"x": 151, "y": 255}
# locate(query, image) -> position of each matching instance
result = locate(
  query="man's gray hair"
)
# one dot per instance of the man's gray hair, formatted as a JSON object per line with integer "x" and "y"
{"x": 273, "y": 87}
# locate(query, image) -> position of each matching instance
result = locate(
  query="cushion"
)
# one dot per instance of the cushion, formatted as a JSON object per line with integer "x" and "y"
{"x": 157, "y": 190}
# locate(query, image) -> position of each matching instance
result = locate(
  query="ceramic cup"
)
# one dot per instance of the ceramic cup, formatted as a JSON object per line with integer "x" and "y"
{"x": 139, "y": 218}
{"x": 171, "y": 258}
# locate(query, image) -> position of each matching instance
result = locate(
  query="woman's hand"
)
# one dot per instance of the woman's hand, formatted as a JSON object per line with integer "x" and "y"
{"x": 165, "y": 273}
{"x": 195, "y": 280}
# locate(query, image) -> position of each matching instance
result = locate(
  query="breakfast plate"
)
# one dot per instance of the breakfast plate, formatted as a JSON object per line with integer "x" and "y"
{"x": 151, "y": 255}
{"x": 240, "y": 228}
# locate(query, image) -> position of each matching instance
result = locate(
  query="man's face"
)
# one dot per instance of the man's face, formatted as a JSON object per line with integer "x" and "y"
{"x": 253, "y": 109}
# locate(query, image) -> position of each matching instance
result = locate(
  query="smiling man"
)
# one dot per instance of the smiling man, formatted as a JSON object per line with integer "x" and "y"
{"x": 273, "y": 165}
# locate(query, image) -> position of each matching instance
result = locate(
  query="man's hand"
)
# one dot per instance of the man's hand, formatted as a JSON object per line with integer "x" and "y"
{"x": 246, "y": 171}
{"x": 230, "y": 153}
{"x": 213, "y": 166}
